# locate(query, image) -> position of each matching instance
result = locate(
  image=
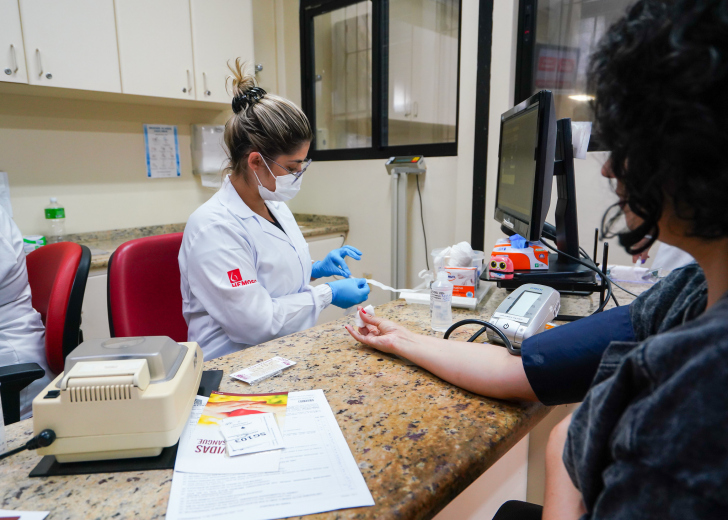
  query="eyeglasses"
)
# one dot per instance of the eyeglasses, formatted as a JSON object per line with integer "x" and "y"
{"x": 297, "y": 174}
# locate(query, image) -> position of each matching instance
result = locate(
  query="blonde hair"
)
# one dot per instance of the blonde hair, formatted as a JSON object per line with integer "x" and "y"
{"x": 262, "y": 122}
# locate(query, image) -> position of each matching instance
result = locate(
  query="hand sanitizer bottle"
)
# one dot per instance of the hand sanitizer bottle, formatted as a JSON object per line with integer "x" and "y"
{"x": 441, "y": 303}
{"x": 55, "y": 216}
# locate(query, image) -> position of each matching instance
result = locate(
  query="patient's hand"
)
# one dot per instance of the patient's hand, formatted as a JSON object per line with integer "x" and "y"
{"x": 381, "y": 334}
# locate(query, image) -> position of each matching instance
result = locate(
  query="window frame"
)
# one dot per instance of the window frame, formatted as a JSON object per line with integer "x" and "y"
{"x": 380, "y": 91}
{"x": 525, "y": 52}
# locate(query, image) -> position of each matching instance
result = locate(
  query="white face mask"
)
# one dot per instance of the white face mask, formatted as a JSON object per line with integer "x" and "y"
{"x": 285, "y": 187}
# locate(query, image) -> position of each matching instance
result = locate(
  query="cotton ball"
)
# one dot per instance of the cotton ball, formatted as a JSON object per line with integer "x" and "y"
{"x": 461, "y": 255}
{"x": 358, "y": 321}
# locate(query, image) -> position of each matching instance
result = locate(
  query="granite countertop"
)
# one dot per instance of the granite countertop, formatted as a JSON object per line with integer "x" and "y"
{"x": 418, "y": 440}
{"x": 103, "y": 243}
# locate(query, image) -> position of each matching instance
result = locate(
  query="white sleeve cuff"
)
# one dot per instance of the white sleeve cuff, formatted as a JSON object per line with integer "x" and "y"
{"x": 323, "y": 295}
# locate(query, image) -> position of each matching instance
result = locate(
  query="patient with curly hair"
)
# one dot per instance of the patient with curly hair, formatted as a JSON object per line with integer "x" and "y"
{"x": 650, "y": 439}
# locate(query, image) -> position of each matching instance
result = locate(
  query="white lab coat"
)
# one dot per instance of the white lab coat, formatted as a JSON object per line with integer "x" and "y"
{"x": 244, "y": 281}
{"x": 22, "y": 335}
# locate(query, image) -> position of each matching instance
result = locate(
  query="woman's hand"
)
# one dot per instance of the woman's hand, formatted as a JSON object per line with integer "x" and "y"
{"x": 334, "y": 264}
{"x": 348, "y": 292}
{"x": 644, "y": 255}
{"x": 381, "y": 334}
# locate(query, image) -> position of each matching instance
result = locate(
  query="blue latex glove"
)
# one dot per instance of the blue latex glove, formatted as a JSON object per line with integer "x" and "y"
{"x": 349, "y": 292}
{"x": 334, "y": 264}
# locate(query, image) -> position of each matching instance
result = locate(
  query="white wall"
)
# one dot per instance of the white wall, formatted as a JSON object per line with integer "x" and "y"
{"x": 90, "y": 154}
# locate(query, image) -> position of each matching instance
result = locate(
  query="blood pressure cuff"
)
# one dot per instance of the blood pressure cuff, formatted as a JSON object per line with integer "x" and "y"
{"x": 560, "y": 363}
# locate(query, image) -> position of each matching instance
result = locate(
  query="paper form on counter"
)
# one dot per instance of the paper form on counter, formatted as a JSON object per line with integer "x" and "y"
{"x": 162, "y": 151}
{"x": 318, "y": 473}
{"x": 191, "y": 456}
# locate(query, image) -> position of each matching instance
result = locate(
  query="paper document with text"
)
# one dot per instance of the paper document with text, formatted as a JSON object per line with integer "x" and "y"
{"x": 191, "y": 454}
{"x": 317, "y": 473}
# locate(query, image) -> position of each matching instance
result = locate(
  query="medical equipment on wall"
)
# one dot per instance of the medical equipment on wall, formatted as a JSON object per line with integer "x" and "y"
{"x": 400, "y": 168}
{"x": 525, "y": 312}
{"x": 119, "y": 398}
{"x": 209, "y": 154}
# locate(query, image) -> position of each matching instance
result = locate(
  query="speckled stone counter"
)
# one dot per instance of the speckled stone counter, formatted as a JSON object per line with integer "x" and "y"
{"x": 103, "y": 243}
{"x": 418, "y": 440}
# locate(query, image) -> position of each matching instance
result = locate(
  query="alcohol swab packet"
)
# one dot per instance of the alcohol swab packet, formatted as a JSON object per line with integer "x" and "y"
{"x": 360, "y": 322}
{"x": 251, "y": 433}
{"x": 268, "y": 368}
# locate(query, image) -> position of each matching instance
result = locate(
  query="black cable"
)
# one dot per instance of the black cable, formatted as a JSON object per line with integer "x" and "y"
{"x": 593, "y": 268}
{"x": 43, "y": 439}
{"x": 585, "y": 255}
{"x": 625, "y": 290}
{"x": 515, "y": 351}
{"x": 422, "y": 218}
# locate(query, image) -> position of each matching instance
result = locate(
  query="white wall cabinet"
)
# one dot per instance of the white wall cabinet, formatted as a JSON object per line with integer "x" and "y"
{"x": 155, "y": 48}
{"x": 222, "y": 30}
{"x": 71, "y": 44}
{"x": 12, "y": 53}
{"x": 400, "y": 71}
{"x": 422, "y": 75}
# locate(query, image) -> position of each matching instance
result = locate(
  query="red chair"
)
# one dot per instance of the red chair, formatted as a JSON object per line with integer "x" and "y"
{"x": 57, "y": 274}
{"x": 144, "y": 292}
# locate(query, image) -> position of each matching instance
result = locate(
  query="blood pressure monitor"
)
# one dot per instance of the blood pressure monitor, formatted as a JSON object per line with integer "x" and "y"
{"x": 525, "y": 312}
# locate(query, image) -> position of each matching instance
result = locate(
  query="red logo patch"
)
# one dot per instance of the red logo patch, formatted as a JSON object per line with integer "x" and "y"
{"x": 236, "y": 279}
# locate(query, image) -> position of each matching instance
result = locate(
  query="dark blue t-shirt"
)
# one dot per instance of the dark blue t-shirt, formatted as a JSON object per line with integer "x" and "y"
{"x": 560, "y": 363}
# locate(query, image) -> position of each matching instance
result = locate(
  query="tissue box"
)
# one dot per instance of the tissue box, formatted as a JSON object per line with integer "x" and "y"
{"x": 463, "y": 279}
{"x": 533, "y": 256}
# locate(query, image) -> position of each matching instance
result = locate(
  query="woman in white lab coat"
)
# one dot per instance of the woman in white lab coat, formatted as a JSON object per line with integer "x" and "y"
{"x": 245, "y": 266}
{"x": 22, "y": 335}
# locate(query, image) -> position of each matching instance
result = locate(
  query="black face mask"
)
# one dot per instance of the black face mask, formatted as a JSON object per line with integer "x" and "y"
{"x": 629, "y": 238}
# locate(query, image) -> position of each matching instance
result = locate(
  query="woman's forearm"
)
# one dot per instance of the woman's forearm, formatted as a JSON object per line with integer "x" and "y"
{"x": 481, "y": 368}
{"x": 562, "y": 501}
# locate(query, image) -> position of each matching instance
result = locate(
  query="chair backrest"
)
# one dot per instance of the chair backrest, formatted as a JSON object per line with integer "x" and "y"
{"x": 57, "y": 274}
{"x": 144, "y": 292}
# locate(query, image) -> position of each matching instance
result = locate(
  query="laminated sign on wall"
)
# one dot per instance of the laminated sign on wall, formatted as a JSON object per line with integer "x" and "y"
{"x": 162, "y": 149}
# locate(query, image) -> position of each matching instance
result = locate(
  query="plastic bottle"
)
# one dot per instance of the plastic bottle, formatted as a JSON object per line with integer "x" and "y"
{"x": 56, "y": 218}
{"x": 441, "y": 303}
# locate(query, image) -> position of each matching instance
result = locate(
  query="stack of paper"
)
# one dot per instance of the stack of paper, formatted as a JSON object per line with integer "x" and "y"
{"x": 316, "y": 470}
{"x": 202, "y": 446}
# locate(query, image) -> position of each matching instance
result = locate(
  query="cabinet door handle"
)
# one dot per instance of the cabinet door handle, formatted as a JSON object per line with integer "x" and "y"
{"x": 14, "y": 69}
{"x": 40, "y": 63}
{"x": 408, "y": 110}
{"x": 204, "y": 84}
{"x": 417, "y": 108}
{"x": 40, "y": 66}
{"x": 189, "y": 83}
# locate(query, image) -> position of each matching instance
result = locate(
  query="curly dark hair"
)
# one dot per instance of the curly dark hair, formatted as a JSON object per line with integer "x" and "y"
{"x": 660, "y": 76}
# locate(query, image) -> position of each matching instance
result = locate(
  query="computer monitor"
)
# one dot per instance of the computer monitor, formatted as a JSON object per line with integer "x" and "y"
{"x": 535, "y": 148}
{"x": 526, "y": 165}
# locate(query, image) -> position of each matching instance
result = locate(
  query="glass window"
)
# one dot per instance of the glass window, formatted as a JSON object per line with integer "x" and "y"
{"x": 566, "y": 34}
{"x": 423, "y": 60}
{"x": 380, "y": 78}
{"x": 343, "y": 79}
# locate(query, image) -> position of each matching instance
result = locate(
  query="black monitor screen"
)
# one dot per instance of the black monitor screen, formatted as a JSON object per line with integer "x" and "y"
{"x": 517, "y": 172}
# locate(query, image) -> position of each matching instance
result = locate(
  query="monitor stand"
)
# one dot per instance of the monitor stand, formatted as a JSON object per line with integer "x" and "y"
{"x": 563, "y": 274}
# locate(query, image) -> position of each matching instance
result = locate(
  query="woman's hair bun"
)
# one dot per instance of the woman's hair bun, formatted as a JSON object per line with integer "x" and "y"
{"x": 244, "y": 91}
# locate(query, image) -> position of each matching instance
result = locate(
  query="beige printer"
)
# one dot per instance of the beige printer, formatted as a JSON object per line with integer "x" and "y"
{"x": 119, "y": 398}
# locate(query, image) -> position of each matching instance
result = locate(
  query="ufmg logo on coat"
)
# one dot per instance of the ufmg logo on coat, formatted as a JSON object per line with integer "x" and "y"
{"x": 236, "y": 279}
